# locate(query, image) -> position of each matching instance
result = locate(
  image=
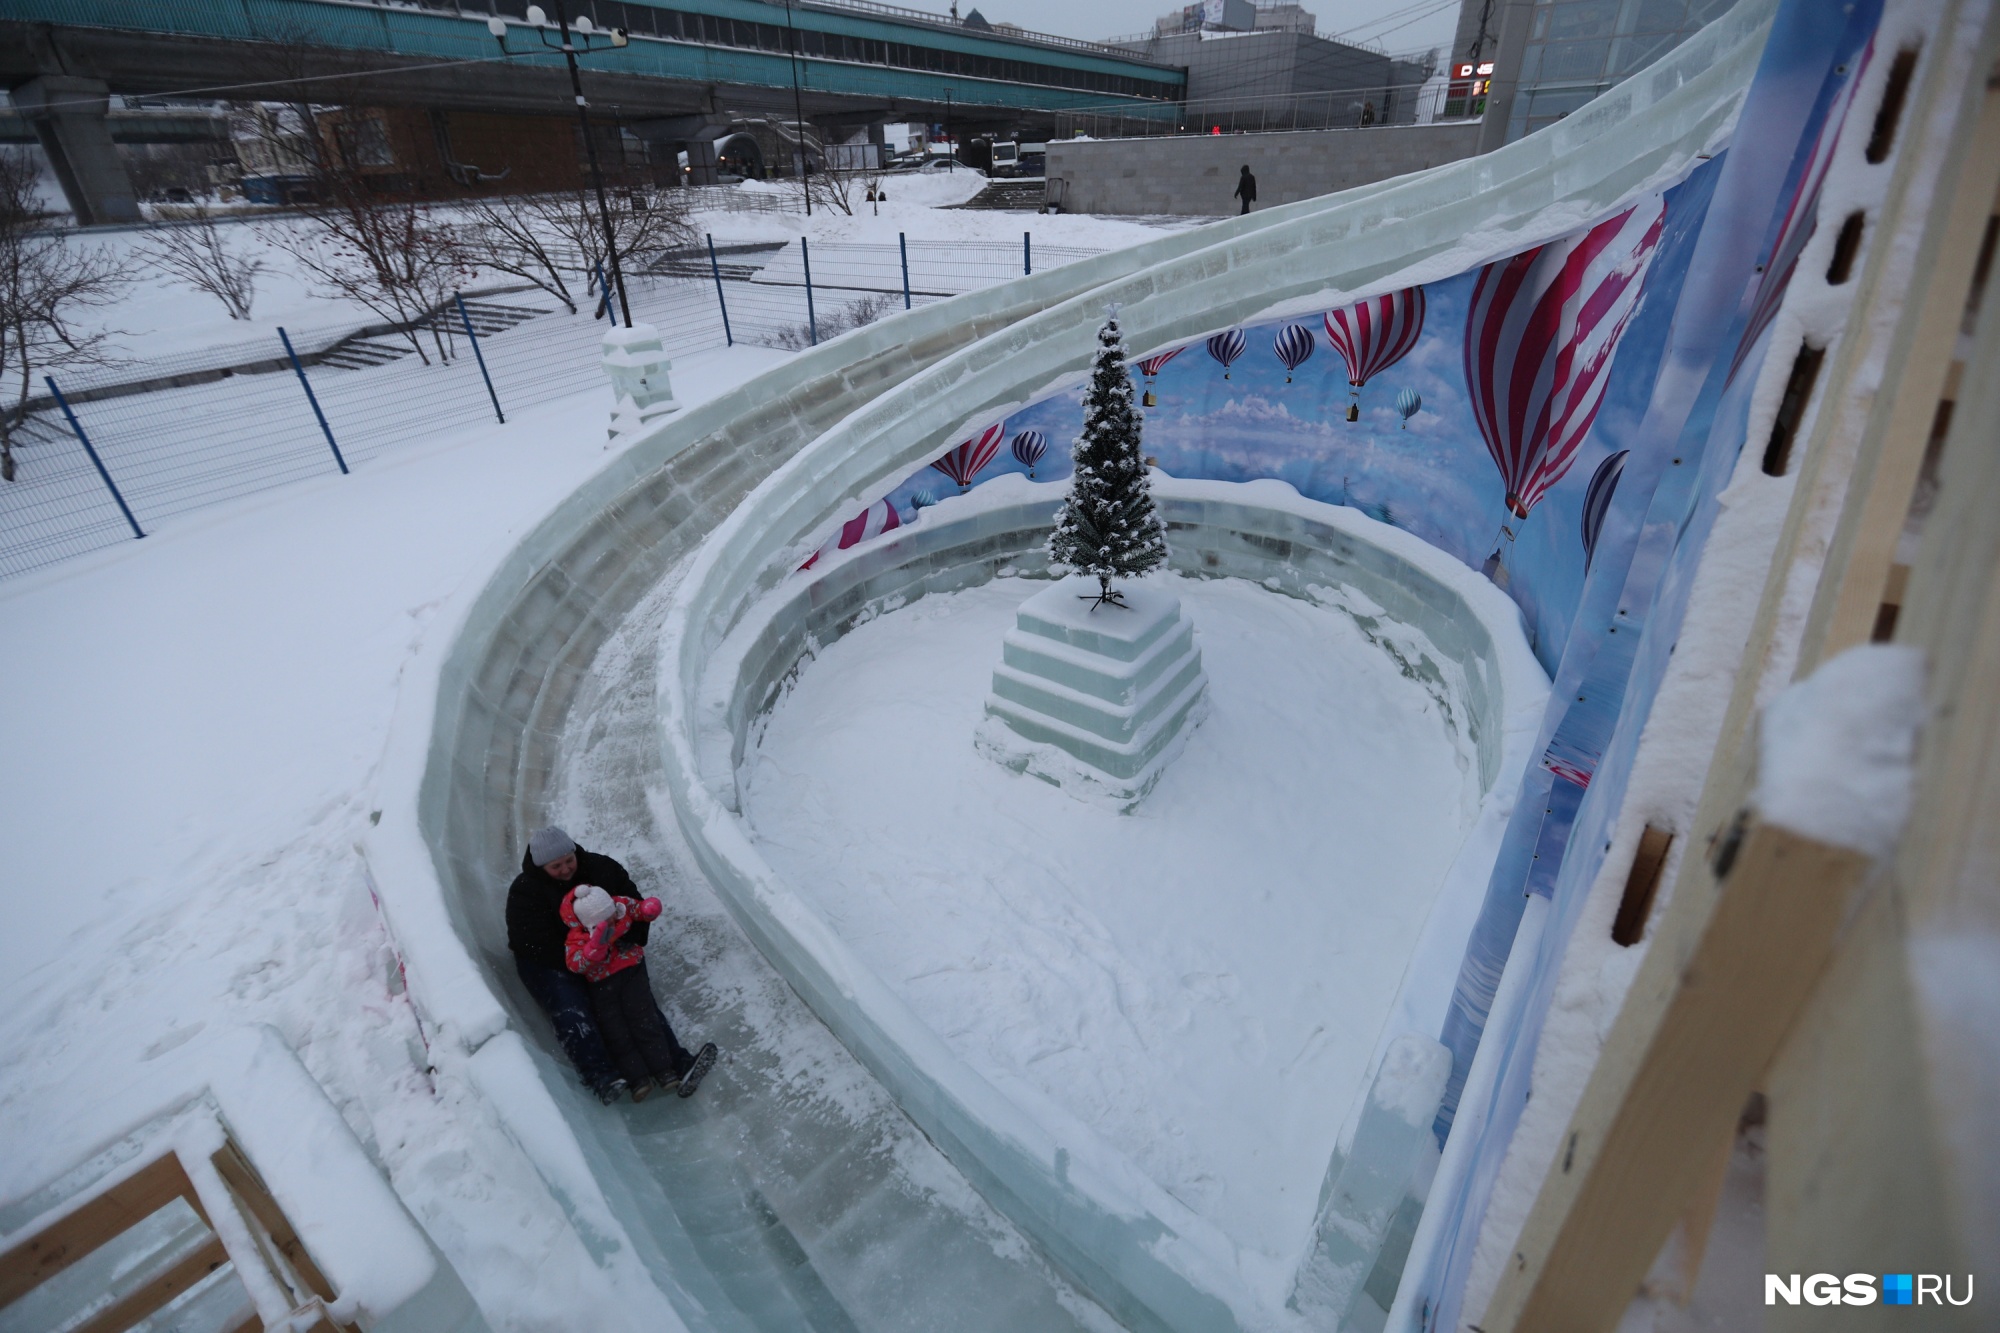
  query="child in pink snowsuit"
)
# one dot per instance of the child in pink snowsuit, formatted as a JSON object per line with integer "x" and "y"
{"x": 635, "y": 1032}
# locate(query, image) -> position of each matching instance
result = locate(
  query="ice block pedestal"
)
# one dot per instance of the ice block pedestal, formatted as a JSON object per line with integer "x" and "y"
{"x": 1095, "y": 699}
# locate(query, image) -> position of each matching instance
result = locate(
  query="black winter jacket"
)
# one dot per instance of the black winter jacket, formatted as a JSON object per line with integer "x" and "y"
{"x": 535, "y": 929}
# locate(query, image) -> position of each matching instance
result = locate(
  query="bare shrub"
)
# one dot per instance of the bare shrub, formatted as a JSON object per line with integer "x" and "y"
{"x": 841, "y": 319}
{"x": 46, "y": 281}
{"x": 198, "y": 256}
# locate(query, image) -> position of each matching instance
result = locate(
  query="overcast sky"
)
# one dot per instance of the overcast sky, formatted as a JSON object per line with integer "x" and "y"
{"x": 1397, "y": 25}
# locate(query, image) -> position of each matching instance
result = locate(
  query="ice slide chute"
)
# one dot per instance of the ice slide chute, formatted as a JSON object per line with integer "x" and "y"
{"x": 510, "y": 674}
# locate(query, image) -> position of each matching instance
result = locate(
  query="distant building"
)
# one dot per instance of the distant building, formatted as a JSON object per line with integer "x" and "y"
{"x": 1264, "y": 67}
{"x": 1551, "y": 57}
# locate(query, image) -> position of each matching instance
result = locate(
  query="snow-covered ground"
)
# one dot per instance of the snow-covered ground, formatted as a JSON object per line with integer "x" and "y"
{"x": 194, "y": 722}
{"x": 1200, "y": 984}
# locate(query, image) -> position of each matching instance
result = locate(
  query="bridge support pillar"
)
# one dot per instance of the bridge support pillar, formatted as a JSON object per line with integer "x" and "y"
{"x": 702, "y": 160}
{"x": 69, "y": 118}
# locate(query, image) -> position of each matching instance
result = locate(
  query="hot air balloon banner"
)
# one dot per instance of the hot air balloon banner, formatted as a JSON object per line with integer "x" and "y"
{"x": 1427, "y": 393}
{"x": 1029, "y": 446}
{"x": 873, "y": 521}
{"x": 1294, "y": 344}
{"x": 1150, "y": 367}
{"x": 1539, "y": 339}
{"x": 1373, "y": 335}
{"x": 1800, "y": 219}
{"x": 966, "y": 460}
{"x": 1226, "y": 348}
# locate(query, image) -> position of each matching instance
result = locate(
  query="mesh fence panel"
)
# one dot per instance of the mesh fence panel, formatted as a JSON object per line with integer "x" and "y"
{"x": 180, "y": 432}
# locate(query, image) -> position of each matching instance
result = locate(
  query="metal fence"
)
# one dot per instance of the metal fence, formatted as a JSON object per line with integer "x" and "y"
{"x": 126, "y": 448}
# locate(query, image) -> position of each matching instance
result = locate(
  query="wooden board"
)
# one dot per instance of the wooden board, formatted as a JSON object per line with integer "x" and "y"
{"x": 117, "y": 1210}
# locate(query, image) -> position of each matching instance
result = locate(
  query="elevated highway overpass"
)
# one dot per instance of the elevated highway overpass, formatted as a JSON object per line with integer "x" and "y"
{"x": 690, "y": 65}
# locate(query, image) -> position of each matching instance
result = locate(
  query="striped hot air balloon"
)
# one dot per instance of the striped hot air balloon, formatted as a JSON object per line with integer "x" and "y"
{"x": 1796, "y": 225}
{"x": 1149, "y": 367}
{"x": 1373, "y": 335}
{"x": 1294, "y": 344}
{"x": 1539, "y": 341}
{"x": 1029, "y": 446}
{"x": 1597, "y": 500}
{"x": 1408, "y": 403}
{"x": 873, "y": 521}
{"x": 965, "y": 460}
{"x": 1226, "y": 347}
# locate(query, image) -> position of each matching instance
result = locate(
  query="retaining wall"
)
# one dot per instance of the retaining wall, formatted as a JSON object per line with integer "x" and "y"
{"x": 1195, "y": 175}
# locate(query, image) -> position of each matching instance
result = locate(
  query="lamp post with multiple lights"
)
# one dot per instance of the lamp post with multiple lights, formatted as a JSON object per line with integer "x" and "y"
{"x": 575, "y": 40}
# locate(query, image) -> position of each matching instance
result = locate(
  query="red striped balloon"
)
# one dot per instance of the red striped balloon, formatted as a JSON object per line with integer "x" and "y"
{"x": 1375, "y": 334}
{"x": 1800, "y": 219}
{"x": 1539, "y": 341}
{"x": 873, "y": 521}
{"x": 964, "y": 461}
{"x": 1150, "y": 366}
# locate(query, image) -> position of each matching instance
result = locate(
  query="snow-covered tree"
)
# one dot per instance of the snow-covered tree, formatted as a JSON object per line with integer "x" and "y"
{"x": 1107, "y": 526}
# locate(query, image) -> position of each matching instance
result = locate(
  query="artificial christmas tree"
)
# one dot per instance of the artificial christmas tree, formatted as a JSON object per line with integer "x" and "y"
{"x": 1107, "y": 527}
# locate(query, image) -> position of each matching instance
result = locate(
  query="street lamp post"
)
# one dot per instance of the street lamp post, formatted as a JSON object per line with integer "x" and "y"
{"x": 799, "y": 113}
{"x": 569, "y": 47}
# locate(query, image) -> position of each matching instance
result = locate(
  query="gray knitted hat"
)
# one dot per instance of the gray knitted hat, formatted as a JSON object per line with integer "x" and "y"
{"x": 549, "y": 844}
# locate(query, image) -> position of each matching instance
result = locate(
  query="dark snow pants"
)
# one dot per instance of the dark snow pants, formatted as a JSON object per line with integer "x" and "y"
{"x": 565, "y": 998}
{"x": 641, "y": 1042}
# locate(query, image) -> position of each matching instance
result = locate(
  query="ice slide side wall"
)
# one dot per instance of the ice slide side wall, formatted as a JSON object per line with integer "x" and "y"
{"x": 485, "y": 704}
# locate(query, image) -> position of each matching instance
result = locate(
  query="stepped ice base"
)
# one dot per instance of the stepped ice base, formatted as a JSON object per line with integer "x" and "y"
{"x": 1097, "y": 700}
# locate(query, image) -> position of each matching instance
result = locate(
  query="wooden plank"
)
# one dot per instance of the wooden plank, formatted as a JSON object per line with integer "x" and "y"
{"x": 55, "y": 1247}
{"x": 1765, "y": 946}
{"x": 1850, "y": 595}
{"x": 160, "y": 1290}
{"x": 249, "y": 1189}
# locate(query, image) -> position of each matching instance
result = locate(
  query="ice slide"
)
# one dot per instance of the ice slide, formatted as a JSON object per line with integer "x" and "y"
{"x": 798, "y": 1192}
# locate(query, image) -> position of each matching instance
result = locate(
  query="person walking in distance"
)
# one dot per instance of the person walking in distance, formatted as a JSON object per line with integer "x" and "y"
{"x": 1246, "y": 188}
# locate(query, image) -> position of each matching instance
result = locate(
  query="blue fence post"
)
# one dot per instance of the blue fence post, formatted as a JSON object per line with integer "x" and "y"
{"x": 306, "y": 384}
{"x": 715, "y": 267}
{"x": 95, "y": 461}
{"x": 903, "y": 244}
{"x": 478, "y": 355}
{"x": 812, "y": 320}
{"x": 1027, "y": 255}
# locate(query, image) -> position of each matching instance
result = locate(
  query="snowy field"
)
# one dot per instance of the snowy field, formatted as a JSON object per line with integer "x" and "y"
{"x": 1201, "y": 983}
{"x": 195, "y": 722}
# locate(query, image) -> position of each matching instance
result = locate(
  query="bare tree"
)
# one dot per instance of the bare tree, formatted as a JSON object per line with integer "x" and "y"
{"x": 359, "y": 238}
{"x": 508, "y": 234}
{"x": 393, "y": 257}
{"x": 197, "y": 255}
{"x": 640, "y": 226}
{"x": 45, "y": 283}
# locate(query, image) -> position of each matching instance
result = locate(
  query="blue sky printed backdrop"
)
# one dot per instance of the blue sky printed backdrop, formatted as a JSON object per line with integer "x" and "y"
{"x": 1434, "y": 479}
